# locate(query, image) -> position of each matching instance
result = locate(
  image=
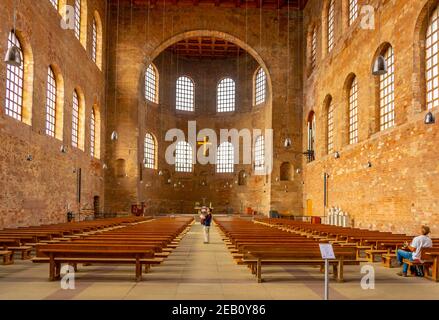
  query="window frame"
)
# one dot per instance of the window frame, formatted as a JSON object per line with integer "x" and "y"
{"x": 432, "y": 54}
{"x": 331, "y": 26}
{"x": 93, "y": 133}
{"x": 150, "y": 151}
{"x": 225, "y": 162}
{"x": 260, "y": 87}
{"x": 226, "y": 95}
{"x": 185, "y": 165}
{"x": 152, "y": 84}
{"x": 185, "y": 94}
{"x": 353, "y": 112}
{"x": 387, "y": 92}
{"x": 51, "y": 105}
{"x": 259, "y": 154}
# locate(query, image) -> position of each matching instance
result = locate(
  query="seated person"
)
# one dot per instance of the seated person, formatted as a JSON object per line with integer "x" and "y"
{"x": 412, "y": 252}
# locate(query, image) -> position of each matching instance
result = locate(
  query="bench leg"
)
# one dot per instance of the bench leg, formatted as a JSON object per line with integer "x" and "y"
{"x": 340, "y": 270}
{"x": 57, "y": 271}
{"x": 8, "y": 259}
{"x": 51, "y": 270}
{"x": 138, "y": 271}
{"x": 335, "y": 271}
{"x": 259, "y": 271}
{"x": 147, "y": 268}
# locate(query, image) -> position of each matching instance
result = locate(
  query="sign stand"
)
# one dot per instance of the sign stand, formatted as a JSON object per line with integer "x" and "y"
{"x": 327, "y": 253}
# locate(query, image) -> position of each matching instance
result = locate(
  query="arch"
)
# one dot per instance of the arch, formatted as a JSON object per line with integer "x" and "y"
{"x": 259, "y": 86}
{"x": 18, "y": 98}
{"x": 225, "y": 162}
{"x": 150, "y": 151}
{"x": 419, "y": 55}
{"x": 185, "y": 94}
{"x": 350, "y": 111}
{"x": 183, "y": 157}
{"x": 286, "y": 171}
{"x": 78, "y": 119}
{"x": 211, "y": 33}
{"x": 152, "y": 83}
{"x": 97, "y": 40}
{"x": 226, "y": 95}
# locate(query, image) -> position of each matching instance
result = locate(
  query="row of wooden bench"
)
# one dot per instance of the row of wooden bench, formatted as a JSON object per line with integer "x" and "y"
{"x": 256, "y": 245}
{"x": 375, "y": 244}
{"x": 141, "y": 244}
{"x": 24, "y": 239}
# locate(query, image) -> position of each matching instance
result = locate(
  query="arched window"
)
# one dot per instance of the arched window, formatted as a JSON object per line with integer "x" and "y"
{"x": 226, "y": 95}
{"x": 183, "y": 157}
{"x": 260, "y": 154}
{"x": 151, "y": 84}
{"x": 260, "y": 86}
{"x": 330, "y": 125}
{"x": 311, "y": 136}
{"x": 387, "y": 92}
{"x": 314, "y": 48}
{"x": 75, "y": 120}
{"x": 225, "y": 158}
{"x": 353, "y": 112}
{"x": 431, "y": 60}
{"x": 51, "y": 103}
{"x": 54, "y": 3}
{"x": 78, "y": 22}
{"x": 93, "y": 133}
{"x": 150, "y": 152}
{"x": 185, "y": 94}
{"x": 14, "y": 83}
{"x": 94, "y": 41}
{"x": 353, "y": 11}
{"x": 331, "y": 25}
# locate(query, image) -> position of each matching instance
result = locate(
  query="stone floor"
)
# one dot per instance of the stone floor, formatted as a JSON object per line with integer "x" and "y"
{"x": 197, "y": 271}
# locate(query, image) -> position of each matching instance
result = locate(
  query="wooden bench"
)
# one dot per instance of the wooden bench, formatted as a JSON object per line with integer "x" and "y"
{"x": 24, "y": 250}
{"x": 297, "y": 256}
{"x": 98, "y": 255}
{"x": 7, "y": 257}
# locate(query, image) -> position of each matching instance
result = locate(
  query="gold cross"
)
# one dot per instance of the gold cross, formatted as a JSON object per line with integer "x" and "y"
{"x": 205, "y": 143}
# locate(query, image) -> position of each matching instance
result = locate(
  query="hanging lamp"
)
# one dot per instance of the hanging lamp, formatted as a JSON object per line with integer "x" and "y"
{"x": 13, "y": 54}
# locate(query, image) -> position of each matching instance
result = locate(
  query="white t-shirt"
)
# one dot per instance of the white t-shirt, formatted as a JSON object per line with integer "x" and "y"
{"x": 419, "y": 243}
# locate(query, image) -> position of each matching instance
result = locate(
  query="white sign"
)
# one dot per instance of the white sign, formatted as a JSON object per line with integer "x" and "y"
{"x": 327, "y": 251}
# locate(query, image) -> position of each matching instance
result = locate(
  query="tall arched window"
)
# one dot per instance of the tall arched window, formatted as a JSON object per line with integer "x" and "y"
{"x": 77, "y": 15}
{"x": 54, "y": 3}
{"x": 150, "y": 152}
{"x": 94, "y": 41}
{"x": 226, "y": 95}
{"x": 387, "y": 92}
{"x": 353, "y": 11}
{"x": 260, "y": 154}
{"x": 151, "y": 84}
{"x": 225, "y": 158}
{"x": 311, "y": 124}
{"x": 330, "y": 125}
{"x": 183, "y": 157}
{"x": 314, "y": 48}
{"x": 185, "y": 94}
{"x": 353, "y": 112}
{"x": 14, "y": 83}
{"x": 431, "y": 61}
{"x": 331, "y": 25}
{"x": 93, "y": 133}
{"x": 51, "y": 103}
{"x": 75, "y": 120}
{"x": 260, "y": 83}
